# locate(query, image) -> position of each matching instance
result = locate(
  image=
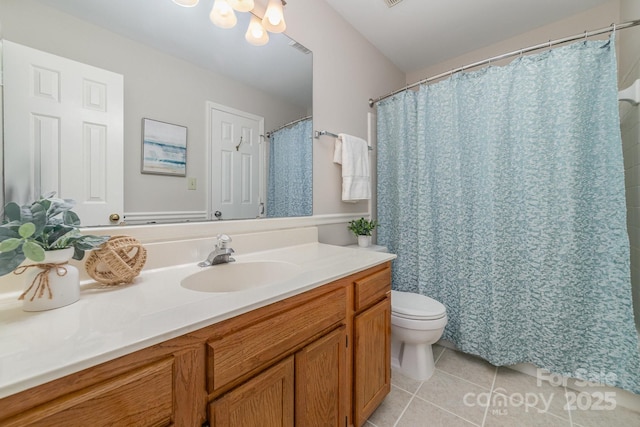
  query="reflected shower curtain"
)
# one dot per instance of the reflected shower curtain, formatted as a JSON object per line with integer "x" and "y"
{"x": 502, "y": 193}
{"x": 289, "y": 180}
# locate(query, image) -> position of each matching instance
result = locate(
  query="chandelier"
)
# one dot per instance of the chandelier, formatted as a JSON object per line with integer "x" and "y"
{"x": 223, "y": 15}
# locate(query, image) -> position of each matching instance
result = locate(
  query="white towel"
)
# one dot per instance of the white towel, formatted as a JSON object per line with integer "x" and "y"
{"x": 353, "y": 154}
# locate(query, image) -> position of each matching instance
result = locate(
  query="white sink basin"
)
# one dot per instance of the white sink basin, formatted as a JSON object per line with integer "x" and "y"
{"x": 240, "y": 276}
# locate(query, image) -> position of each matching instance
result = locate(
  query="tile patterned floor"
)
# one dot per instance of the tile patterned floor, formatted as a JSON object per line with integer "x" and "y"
{"x": 467, "y": 391}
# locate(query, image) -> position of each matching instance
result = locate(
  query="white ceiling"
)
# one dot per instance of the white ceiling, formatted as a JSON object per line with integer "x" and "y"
{"x": 415, "y": 34}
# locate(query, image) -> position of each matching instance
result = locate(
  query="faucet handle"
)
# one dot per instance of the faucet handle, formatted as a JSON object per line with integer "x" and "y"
{"x": 223, "y": 239}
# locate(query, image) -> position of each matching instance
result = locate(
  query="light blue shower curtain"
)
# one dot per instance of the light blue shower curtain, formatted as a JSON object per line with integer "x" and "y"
{"x": 502, "y": 192}
{"x": 289, "y": 181}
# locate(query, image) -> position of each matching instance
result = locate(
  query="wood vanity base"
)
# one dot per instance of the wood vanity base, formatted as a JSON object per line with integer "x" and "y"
{"x": 318, "y": 358}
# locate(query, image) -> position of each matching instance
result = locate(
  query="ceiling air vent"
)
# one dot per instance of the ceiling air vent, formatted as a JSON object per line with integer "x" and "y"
{"x": 300, "y": 47}
{"x": 391, "y": 3}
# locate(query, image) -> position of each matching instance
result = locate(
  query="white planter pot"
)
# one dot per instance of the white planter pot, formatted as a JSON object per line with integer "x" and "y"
{"x": 57, "y": 287}
{"x": 364, "y": 241}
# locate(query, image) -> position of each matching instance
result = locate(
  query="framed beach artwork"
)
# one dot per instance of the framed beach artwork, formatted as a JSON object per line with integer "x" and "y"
{"x": 164, "y": 148}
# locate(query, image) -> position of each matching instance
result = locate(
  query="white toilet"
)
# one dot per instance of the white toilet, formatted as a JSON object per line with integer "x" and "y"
{"x": 417, "y": 322}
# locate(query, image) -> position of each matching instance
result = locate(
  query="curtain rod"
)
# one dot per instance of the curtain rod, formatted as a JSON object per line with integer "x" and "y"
{"x": 550, "y": 43}
{"x": 268, "y": 134}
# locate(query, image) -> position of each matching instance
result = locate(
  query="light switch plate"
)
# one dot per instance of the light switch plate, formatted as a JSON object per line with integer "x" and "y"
{"x": 191, "y": 183}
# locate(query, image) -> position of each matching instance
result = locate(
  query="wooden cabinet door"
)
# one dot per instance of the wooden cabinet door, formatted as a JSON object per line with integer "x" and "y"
{"x": 321, "y": 381}
{"x": 371, "y": 359}
{"x": 264, "y": 401}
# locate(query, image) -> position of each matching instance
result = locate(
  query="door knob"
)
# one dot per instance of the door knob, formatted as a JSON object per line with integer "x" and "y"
{"x": 114, "y": 217}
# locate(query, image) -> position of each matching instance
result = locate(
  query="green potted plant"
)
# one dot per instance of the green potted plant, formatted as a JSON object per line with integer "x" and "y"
{"x": 362, "y": 228}
{"x": 46, "y": 234}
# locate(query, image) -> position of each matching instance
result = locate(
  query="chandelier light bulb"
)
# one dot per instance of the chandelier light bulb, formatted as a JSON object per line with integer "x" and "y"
{"x": 222, "y": 14}
{"x": 256, "y": 34}
{"x": 273, "y": 20}
{"x": 242, "y": 5}
{"x": 186, "y": 3}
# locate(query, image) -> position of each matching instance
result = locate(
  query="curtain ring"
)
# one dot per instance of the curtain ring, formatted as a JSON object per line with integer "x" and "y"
{"x": 585, "y": 35}
{"x": 549, "y": 45}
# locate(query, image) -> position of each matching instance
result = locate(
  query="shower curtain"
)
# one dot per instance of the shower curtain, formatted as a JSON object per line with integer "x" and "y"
{"x": 289, "y": 180}
{"x": 502, "y": 193}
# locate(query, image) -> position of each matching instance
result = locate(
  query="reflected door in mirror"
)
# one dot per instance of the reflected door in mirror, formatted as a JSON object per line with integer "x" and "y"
{"x": 65, "y": 135}
{"x": 237, "y": 163}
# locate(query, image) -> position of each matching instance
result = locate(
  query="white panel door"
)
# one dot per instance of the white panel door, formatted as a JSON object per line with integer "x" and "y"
{"x": 236, "y": 169}
{"x": 63, "y": 123}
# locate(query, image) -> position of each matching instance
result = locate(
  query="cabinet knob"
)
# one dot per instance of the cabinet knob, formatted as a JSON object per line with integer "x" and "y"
{"x": 114, "y": 217}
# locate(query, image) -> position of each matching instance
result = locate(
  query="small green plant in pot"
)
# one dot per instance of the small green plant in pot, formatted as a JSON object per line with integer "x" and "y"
{"x": 362, "y": 228}
{"x": 46, "y": 233}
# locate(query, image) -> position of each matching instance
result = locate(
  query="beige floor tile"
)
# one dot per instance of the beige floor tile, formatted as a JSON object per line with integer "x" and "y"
{"x": 421, "y": 413}
{"x": 404, "y": 382}
{"x": 517, "y": 386}
{"x": 455, "y": 395}
{"x": 522, "y": 416}
{"x": 391, "y": 407}
{"x": 468, "y": 367}
{"x": 591, "y": 410}
{"x": 437, "y": 351}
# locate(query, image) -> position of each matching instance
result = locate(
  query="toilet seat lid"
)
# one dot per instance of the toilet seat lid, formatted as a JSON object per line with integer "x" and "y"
{"x": 415, "y": 306}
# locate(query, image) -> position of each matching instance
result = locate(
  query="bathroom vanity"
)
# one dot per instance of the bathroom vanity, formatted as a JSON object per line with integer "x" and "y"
{"x": 312, "y": 350}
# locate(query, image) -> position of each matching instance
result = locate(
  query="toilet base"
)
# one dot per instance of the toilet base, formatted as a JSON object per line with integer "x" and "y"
{"x": 413, "y": 360}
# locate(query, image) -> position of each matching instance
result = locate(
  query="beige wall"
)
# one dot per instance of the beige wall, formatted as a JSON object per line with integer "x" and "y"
{"x": 348, "y": 71}
{"x": 629, "y": 71}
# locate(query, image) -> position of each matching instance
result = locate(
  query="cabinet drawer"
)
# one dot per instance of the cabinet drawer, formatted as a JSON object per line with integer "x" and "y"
{"x": 372, "y": 288}
{"x": 142, "y": 397}
{"x": 260, "y": 343}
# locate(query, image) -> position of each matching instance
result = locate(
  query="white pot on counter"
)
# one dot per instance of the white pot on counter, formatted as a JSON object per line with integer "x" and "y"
{"x": 51, "y": 283}
{"x": 364, "y": 241}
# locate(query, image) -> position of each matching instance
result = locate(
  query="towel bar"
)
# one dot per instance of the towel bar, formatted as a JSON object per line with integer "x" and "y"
{"x": 318, "y": 133}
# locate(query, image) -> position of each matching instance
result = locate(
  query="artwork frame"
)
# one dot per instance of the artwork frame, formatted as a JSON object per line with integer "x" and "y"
{"x": 164, "y": 148}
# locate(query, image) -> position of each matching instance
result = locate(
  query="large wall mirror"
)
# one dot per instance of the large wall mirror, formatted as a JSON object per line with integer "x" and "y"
{"x": 240, "y": 115}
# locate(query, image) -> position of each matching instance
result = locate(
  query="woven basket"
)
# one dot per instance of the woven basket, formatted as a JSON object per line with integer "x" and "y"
{"x": 117, "y": 262}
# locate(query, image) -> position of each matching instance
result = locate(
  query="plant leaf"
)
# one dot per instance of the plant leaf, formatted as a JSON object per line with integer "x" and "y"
{"x": 25, "y": 214}
{"x": 56, "y": 231}
{"x": 8, "y": 233}
{"x": 12, "y": 211}
{"x": 9, "y": 261}
{"x": 26, "y": 230}
{"x": 9, "y": 245}
{"x": 38, "y": 217}
{"x": 49, "y": 195}
{"x": 78, "y": 253}
{"x": 63, "y": 237}
{"x": 33, "y": 251}
{"x": 59, "y": 206}
{"x": 71, "y": 218}
{"x": 89, "y": 242}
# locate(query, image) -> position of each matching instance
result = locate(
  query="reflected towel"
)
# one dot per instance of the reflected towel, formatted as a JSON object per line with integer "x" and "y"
{"x": 353, "y": 154}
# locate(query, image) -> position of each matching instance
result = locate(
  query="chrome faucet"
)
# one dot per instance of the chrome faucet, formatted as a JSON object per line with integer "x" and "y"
{"x": 221, "y": 254}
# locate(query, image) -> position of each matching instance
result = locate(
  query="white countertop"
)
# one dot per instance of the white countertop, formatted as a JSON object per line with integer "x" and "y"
{"x": 108, "y": 323}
